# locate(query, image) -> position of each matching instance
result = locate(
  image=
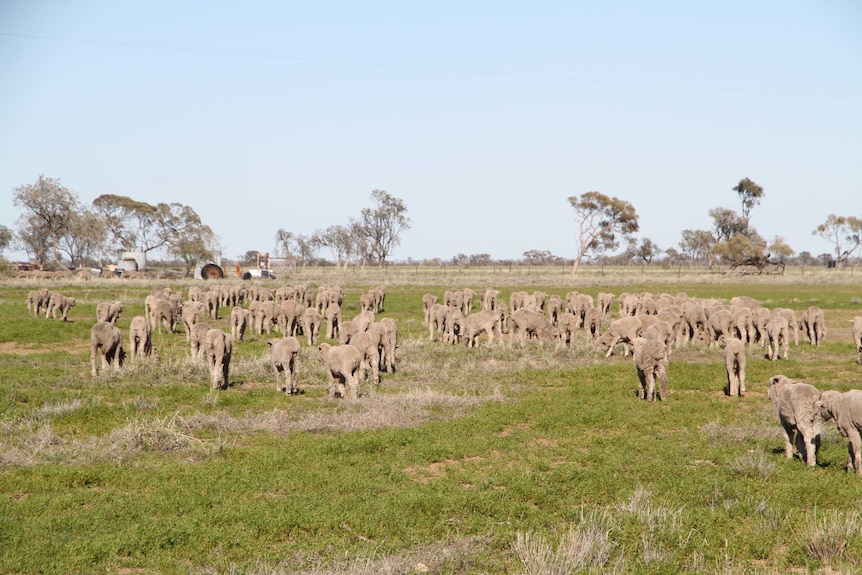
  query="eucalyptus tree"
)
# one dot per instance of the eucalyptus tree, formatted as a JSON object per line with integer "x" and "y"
{"x": 382, "y": 225}
{"x": 844, "y": 233}
{"x": 602, "y": 221}
{"x": 48, "y": 209}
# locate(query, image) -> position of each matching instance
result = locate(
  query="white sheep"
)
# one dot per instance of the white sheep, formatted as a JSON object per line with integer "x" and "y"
{"x": 797, "y": 405}
{"x": 734, "y": 362}
{"x": 284, "y": 355}
{"x": 651, "y": 364}
{"x": 623, "y": 330}
{"x": 857, "y": 335}
{"x": 846, "y": 409}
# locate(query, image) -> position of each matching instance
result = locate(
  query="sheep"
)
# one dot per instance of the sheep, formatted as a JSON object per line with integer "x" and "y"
{"x": 469, "y": 296}
{"x": 661, "y": 331}
{"x": 813, "y": 323}
{"x": 526, "y": 322}
{"x": 218, "y": 348}
{"x": 363, "y": 320}
{"x": 428, "y": 300}
{"x": 36, "y": 300}
{"x": 623, "y": 330}
{"x": 199, "y": 332}
{"x": 792, "y": 322}
{"x": 290, "y": 317}
{"x": 190, "y": 312}
{"x": 311, "y": 325}
{"x": 238, "y": 323}
{"x": 720, "y": 326}
{"x": 453, "y": 326}
{"x": 342, "y": 368}
{"x": 695, "y": 318}
{"x": 106, "y": 341}
{"x": 347, "y": 330}
{"x": 110, "y": 312}
{"x": 57, "y": 302}
{"x": 487, "y": 321}
{"x": 368, "y": 345}
{"x": 389, "y": 344}
{"x": 734, "y": 362}
{"x": 567, "y": 324}
{"x": 796, "y": 405}
{"x": 163, "y": 315}
{"x": 604, "y": 302}
{"x": 846, "y": 409}
{"x": 651, "y": 364}
{"x": 777, "y": 335}
{"x": 857, "y": 336}
{"x": 140, "y": 338}
{"x": 332, "y": 314}
{"x": 284, "y": 355}
{"x": 437, "y": 319}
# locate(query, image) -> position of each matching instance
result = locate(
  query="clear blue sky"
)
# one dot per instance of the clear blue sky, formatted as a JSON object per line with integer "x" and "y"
{"x": 482, "y": 116}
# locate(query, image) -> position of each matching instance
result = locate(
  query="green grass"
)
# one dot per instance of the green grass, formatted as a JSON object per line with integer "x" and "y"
{"x": 491, "y": 460}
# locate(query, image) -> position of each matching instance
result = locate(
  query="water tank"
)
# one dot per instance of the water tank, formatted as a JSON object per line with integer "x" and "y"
{"x": 139, "y": 257}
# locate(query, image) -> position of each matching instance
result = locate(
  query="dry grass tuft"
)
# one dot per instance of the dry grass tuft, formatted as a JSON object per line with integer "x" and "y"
{"x": 584, "y": 546}
{"x": 450, "y": 557}
{"x": 826, "y": 537}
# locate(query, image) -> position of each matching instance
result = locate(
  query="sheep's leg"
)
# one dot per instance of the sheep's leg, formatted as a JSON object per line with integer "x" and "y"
{"x": 650, "y": 385}
{"x": 662, "y": 383}
{"x": 789, "y": 434}
{"x": 854, "y": 447}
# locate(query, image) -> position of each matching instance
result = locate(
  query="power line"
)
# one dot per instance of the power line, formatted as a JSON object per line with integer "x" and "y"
{"x": 436, "y": 69}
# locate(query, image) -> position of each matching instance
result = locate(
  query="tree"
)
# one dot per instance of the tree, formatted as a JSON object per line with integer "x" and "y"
{"x": 780, "y": 249}
{"x": 84, "y": 238}
{"x": 742, "y": 250}
{"x": 538, "y": 257}
{"x": 727, "y": 223}
{"x": 296, "y": 247}
{"x": 382, "y": 225}
{"x": 600, "y": 218}
{"x": 696, "y": 245}
{"x": 750, "y": 194}
{"x": 6, "y": 238}
{"x": 480, "y": 259}
{"x": 192, "y": 241}
{"x": 841, "y": 231}
{"x": 647, "y": 250}
{"x": 48, "y": 209}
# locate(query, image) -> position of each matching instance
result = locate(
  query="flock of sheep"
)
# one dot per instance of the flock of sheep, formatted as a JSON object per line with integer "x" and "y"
{"x": 365, "y": 346}
{"x": 648, "y": 325}
{"x": 652, "y": 326}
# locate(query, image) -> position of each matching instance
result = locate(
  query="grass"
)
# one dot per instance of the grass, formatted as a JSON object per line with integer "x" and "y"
{"x": 490, "y": 460}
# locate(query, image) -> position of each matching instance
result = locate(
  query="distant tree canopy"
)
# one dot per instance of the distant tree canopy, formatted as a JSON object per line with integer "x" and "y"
{"x": 844, "y": 233}
{"x": 602, "y": 222}
{"x": 6, "y": 238}
{"x": 383, "y": 224}
{"x": 54, "y": 223}
{"x": 737, "y": 242}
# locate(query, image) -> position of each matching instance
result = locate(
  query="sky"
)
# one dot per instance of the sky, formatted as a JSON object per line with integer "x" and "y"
{"x": 483, "y": 117}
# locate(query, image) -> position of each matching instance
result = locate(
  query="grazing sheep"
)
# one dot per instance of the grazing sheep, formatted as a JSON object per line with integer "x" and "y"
{"x": 695, "y": 319}
{"x": 290, "y": 317}
{"x": 623, "y": 330}
{"x": 368, "y": 345}
{"x": 218, "y": 347}
{"x": 342, "y": 368}
{"x": 199, "y": 333}
{"x": 164, "y": 316}
{"x": 389, "y": 344}
{"x": 106, "y": 341}
{"x": 311, "y": 325}
{"x": 530, "y": 323}
{"x": 57, "y": 302}
{"x": 284, "y": 355}
{"x": 489, "y": 301}
{"x": 267, "y": 317}
{"x": 734, "y": 362}
{"x": 347, "y": 331}
{"x": 238, "y": 323}
{"x": 759, "y": 318}
{"x": 661, "y": 331}
{"x": 437, "y": 320}
{"x": 846, "y": 409}
{"x": 743, "y": 324}
{"x": 567, "y": 324}
{"x": 720, "y": 326}
{"x": 190, "y": 313}
{"x": 469, "y": 296}
{"x": 792, "y": 322}
{"x": 140, "y": 338}
{"x": 592, "y": 322}
{"x": 485, "y": 321}
{"x": 332, "y": 314}
{"x": 428, "y": 300}
{"x": 363, "y": 320}
{"x": 813, "y": 323}
{"x": 110, "y": 312}
{"x": 555, "y": 309}
{"x": 651, "y": 364}
{"x": 857, "y": 336}
{"x": 453, "y": 327}
{"x": 798, "y": 409}
{"x": 777, "y": 338}
{"x": 604, "y": 301}
{"x": 36, "y": 300}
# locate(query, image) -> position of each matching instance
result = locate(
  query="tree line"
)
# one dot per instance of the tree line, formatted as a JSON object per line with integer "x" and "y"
{"x": 55, "y": 226}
